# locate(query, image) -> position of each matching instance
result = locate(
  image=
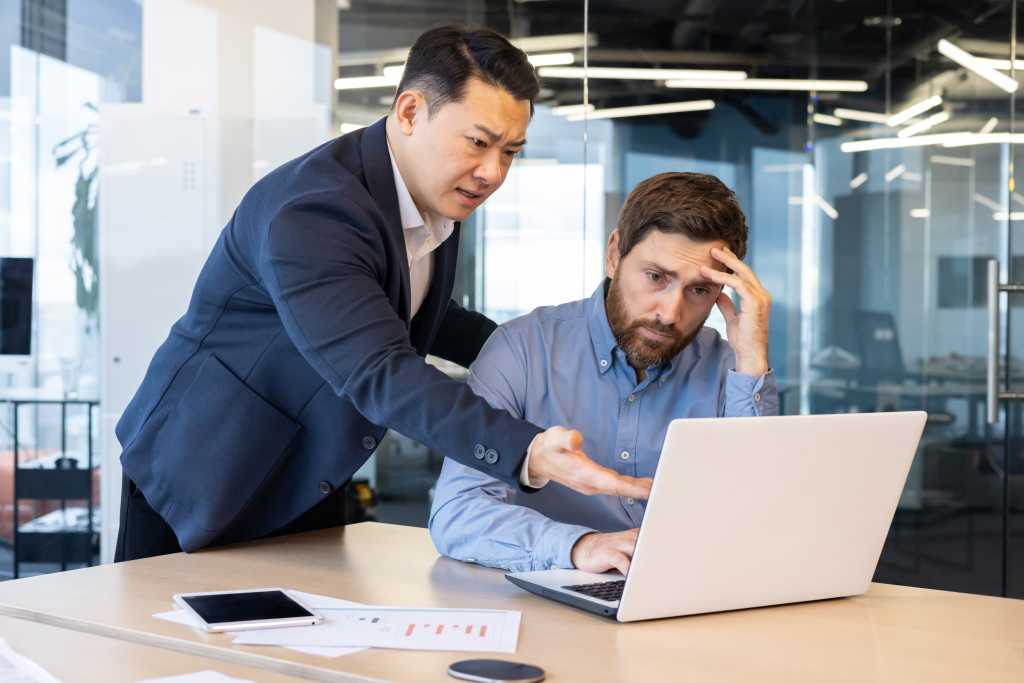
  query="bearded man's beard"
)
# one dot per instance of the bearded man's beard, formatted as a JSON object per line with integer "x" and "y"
{"x": 641, "y": 351}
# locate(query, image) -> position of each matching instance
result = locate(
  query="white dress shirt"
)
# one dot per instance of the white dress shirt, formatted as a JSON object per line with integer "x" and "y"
{"x": 422, "y": 237}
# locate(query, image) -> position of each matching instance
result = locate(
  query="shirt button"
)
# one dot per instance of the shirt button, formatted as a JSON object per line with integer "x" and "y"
{"x": 325, "y": 487}
{"x": 757, "y": 397}
{"x": 624, "y": 455}
{"x": 369, "y": 443}
{"x": 604, "y": 363}
{"x": 479, "y": 451}
{"x": 630, "y": 501}
{"x": 632, "y": 397}
{"x": 491, "y": 456}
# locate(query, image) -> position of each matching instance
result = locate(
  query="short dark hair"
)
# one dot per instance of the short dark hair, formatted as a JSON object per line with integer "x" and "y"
{"x": 696, "y": 205}
{"x": 442, "y": 61}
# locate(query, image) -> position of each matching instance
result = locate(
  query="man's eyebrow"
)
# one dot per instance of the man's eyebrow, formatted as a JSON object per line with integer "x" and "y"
{"x": 495, "y": 137}
{"x": 664, "y": 271}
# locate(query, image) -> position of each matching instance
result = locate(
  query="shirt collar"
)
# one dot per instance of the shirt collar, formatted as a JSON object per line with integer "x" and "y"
{"x": 601, "y": 336}
{"x": 411, "y": 217}
{"x": 604, "y": 343}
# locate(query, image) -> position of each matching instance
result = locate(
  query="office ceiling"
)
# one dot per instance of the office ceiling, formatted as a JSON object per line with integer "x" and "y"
{"x": 890, "y": 45}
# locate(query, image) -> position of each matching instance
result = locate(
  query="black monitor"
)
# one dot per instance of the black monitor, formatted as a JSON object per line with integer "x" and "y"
{"x": 16, "y": 306}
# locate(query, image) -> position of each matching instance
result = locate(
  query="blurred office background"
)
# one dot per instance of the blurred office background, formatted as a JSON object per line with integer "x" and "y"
{"x": 872, "y": 144}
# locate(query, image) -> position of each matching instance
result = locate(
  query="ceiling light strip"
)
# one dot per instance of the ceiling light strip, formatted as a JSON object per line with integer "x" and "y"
{"x": 646, "y": 110}
{"x": 972, "y": 63}
{"x": 780, "y": 84}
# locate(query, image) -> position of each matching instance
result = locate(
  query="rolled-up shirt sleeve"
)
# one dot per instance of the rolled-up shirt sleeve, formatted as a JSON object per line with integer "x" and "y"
{"x": 473, "y": 517}
{"x": 749, "y": 395}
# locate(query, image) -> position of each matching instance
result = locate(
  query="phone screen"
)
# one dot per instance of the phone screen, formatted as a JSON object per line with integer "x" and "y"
{"x": 259, "y": 605}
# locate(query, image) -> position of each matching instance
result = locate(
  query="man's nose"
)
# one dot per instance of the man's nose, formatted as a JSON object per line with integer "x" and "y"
{"x": 670, "y": 306}
{"x": 489, "y": 170}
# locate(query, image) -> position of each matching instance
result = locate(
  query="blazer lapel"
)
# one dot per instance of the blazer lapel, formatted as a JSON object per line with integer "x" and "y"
{"x": 380, "y": 181}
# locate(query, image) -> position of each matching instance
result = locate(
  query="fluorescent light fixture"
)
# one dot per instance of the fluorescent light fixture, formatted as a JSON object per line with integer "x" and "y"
{"x": 795, "y": 201}
{"x": 989, "y": 126}
{"x": 958, "y": 139}
{"x": 950, "y": 161}
{"x": 558, "y": 41}
{"x": 858, "y": 180}
{"x": 913, "y": 110}
{"x": 858, "y": 115}
{"x": 829, "y": 210}
{"x": 349, "y": 127}
{"x": 921, "y": 126}
{"x": 782, "y": 84}
{"x": 1002, "y": 64}
{"x": 1013, "y": 215}
{"x": 972, "y": 63}
{"x": 987, "y": 202}
{"x": 552, "y": 59}
{"x": 912, "y": 177}
{"x": 394, "y": 71}
{"x": 642, "y": 74}
{"x": 569, "y": 109}
{"x": 970, "y": 139}
{"x": 365, "y": 82}
{"x": 827, "y": 120}
{"x": 895, "y": 172}
{"x": 647, "y": 110}
{"x": 920, "y": 213}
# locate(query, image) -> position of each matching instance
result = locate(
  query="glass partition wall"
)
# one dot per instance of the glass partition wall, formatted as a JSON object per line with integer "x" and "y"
{"x": 872, "y": 147}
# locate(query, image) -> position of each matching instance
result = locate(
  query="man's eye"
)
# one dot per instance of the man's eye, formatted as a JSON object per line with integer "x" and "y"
{"x": 653, "y": 277}
{"x": 701, "y": 291}
{"x": 477, "y": 142}
{"x": 511, "y": 153}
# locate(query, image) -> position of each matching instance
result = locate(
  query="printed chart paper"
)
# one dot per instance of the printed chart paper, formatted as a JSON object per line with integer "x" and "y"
{"x": 401, "y": 628}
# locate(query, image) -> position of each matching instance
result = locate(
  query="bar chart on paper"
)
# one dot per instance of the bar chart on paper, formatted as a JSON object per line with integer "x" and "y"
{"x": 407, "y": 629}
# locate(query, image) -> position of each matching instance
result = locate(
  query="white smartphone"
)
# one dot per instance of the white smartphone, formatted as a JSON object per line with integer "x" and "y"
{"x": 248, "y": 609}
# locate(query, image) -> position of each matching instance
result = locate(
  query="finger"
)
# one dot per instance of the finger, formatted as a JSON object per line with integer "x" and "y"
{"x": 734, "y": 281}
{"x": 727, "y": 257}
{"x": 625, "y": 545}
{"x": 619, "y": 561}
{"x": 624, "y": 486}
{"x": 574, "y": 440}
{"x": 727, "y": 307}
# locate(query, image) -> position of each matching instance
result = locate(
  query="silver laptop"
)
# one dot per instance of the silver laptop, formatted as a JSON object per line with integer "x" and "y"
{"x": 754, "y": 511}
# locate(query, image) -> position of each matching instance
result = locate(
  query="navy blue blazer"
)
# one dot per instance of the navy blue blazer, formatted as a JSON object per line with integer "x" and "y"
{"x": 297, "y": 352}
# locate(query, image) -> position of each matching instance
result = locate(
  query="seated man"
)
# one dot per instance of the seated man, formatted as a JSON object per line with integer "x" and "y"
{"x": 618, "y": 367}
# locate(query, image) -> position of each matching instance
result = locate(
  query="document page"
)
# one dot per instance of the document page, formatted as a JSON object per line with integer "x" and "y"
{"x": 15, "y": 668}
{"x": 402, "y": 628}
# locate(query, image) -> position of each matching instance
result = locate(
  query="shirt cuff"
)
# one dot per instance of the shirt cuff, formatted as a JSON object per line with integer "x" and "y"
{"x": 555, "y": 549}
{"x": 524, "y": 471}
{"x": 751, "y": 393}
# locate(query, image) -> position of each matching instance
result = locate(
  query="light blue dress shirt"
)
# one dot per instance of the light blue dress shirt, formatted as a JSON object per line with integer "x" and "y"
{"x": 561, "y": 365}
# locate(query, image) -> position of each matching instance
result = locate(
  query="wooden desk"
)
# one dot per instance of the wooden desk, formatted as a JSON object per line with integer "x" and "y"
{"x": 75, "y": 656}
{"x": 890, "y": 634}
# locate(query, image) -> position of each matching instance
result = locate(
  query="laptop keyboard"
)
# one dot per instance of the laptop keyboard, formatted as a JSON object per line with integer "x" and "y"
{"x": 605, "y": 590}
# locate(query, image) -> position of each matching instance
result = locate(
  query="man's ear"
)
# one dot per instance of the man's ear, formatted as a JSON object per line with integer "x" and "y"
{"x": 611, "y": 255}
{"x": 409, "y": 105}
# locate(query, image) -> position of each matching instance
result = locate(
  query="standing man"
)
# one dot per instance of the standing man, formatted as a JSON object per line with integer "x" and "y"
{"x": 304, "y": 339}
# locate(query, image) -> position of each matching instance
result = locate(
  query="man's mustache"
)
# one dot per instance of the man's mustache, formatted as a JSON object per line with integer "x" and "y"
{"x": 663, "y": 328}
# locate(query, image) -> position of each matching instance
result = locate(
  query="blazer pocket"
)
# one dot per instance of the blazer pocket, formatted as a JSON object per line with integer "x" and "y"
{"x": 220, "y": 443}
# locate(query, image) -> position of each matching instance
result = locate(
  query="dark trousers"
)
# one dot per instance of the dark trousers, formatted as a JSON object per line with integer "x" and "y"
{"x": 144, "y": 533}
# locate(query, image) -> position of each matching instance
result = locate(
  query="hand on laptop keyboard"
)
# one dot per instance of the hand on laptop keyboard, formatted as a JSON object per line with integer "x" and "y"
{"x": 598, "y": 553}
